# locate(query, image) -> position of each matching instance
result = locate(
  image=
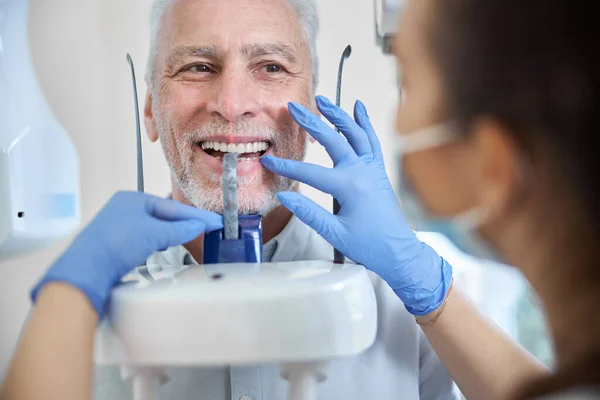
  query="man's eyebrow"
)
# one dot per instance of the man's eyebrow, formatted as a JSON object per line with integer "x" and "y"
{"x": 193, "y": 51}
{"x": 266, "y": 49}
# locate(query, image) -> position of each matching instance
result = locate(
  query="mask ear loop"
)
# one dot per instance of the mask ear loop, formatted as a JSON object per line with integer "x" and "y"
{"x": 475, "y": 220}
{"x": 522, "y": 173}
{"x": 428, "y": 138}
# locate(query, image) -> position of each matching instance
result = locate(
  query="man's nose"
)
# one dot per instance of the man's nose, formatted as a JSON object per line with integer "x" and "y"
{"x": 236, "y": 97}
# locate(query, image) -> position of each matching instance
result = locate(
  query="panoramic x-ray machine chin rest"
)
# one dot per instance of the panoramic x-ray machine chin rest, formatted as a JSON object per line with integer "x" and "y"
{"x": 232, "y": 310}
{"x": 236, "y": 310}
{"x": 296, "y": 314}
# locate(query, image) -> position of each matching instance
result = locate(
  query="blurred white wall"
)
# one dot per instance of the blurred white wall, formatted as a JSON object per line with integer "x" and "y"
{"x": 79, "y": 50}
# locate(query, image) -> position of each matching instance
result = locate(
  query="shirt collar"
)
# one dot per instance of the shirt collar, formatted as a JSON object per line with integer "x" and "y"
{"x": 282, "y": 247}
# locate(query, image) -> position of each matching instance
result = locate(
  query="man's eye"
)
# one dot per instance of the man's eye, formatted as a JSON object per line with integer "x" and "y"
{"x": 201, "y": 68}
{"x": 272, "y": 68}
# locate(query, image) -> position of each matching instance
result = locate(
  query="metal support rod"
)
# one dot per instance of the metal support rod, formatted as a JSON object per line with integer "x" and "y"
{"x": 143, "y": 270}
{"x": 337, "y": 255}
{"x": 140, "y": 165}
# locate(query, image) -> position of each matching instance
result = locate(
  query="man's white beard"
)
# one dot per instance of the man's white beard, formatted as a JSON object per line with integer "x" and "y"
{"x": 248, "y": 202}
{"x": 210, "y": 197}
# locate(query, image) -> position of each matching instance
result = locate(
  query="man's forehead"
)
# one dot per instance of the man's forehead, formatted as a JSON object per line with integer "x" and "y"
{"x": 215, "y": 29}
{"x": 248, "y": 50}
{"x": 224, "y": 16}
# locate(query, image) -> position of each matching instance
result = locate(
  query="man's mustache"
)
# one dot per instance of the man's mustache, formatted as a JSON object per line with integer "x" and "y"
{"x": 242, "y": 128}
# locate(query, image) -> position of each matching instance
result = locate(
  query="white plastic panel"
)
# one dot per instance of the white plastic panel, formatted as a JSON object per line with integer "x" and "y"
{"x": 39, "y": 180}
{"x": 251, "y": 313}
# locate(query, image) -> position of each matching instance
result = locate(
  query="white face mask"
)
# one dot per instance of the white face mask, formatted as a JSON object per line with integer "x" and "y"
{"x": 460, "y": 229}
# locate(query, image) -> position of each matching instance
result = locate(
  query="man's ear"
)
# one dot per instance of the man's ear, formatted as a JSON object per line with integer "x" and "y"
{"x": 151, "y": 130}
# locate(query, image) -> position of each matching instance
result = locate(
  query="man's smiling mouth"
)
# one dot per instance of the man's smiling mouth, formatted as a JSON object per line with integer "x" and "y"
{"x": 250, "y": 151}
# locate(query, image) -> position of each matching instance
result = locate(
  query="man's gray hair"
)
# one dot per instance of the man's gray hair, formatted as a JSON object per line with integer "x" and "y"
{"x": 309, "y": 22}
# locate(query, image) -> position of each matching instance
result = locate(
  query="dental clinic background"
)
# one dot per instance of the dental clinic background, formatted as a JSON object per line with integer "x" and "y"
{"x": 79, "y": 48}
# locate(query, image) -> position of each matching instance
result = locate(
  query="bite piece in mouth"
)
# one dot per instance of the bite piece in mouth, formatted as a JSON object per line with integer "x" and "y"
{"x": 250, "y": 151}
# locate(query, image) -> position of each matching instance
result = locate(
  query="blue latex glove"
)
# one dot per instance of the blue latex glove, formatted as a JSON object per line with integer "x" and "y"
{"x": 129, "y": 228}
{"x": 370, "y": 227}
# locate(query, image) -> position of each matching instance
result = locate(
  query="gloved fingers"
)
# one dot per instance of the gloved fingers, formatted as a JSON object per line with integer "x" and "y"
{"x": 362, "y": 119}
{"x": 319, "y": 219}
{"x": 354, "y": 132}
{"x": 320, "y": 178}
{"x": 171, "y": 210}
{"x": 167, "y": 234}
{"x": 336, "y": 145}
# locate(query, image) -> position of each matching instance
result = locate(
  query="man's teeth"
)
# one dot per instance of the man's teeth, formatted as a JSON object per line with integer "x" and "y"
{"x": 235, "y": 148}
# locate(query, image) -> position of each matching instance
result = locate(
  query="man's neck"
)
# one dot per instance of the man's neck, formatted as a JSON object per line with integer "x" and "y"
{"x": 273, "y": 224}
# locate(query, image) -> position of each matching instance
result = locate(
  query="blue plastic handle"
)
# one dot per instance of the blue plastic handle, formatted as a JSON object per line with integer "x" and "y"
{"x": 246, "y": 249}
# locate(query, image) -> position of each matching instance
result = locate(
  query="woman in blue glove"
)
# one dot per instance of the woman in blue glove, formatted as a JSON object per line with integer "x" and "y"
{"x": 71, "y": 297}
{"x": 499, "y": 123}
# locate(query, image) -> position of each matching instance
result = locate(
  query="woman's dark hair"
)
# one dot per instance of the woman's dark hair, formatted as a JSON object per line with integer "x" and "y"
{"x": 533, "y": 65}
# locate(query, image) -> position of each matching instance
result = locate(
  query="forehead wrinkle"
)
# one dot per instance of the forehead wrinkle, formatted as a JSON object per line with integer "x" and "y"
{"x": 255, "y": 50}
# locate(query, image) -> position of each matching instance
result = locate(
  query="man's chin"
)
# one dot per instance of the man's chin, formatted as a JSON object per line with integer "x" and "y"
{"x": 250, "y": 200}
{"x": 256, "y": 201}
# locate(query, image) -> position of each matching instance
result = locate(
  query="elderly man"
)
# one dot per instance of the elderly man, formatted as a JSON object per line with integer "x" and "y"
{"x": 220, "y": 76}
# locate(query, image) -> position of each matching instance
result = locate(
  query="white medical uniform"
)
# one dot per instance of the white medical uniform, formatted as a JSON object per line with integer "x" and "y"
{"x": 401, "y": 365}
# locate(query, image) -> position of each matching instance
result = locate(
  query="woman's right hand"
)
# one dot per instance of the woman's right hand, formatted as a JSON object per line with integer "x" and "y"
{"x": 129, "y": 228}
{"x": 370, "y": 227}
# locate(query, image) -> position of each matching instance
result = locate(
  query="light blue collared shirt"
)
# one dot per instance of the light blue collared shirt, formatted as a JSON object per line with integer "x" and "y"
{"x": 400, "y": 365}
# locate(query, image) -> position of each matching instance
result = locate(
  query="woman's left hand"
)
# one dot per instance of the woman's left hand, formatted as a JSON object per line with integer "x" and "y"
{"x": 370, "y": 227}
